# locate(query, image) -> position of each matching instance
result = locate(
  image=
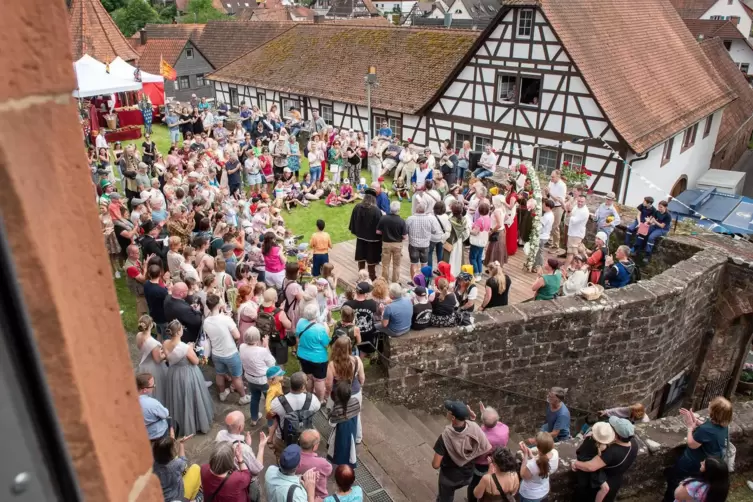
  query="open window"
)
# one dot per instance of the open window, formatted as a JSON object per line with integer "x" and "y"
{"x": 530, "y": 90}
{"x": 506, "y": 88}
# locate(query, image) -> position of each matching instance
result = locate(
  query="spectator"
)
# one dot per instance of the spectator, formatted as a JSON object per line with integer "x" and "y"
{"x": 295, "y": 400}
{"x": 190, "y": 316}
{"x": 444, "y": 305}
{"x": 501, "y": 482}
{"x": 436, "y": 244}
{"x": 365, "y": 311}
{"x": 344, "y": 366}
{"x": 456, "y": 449}
{"x": 178, "y": 480}
{"x": 659, "y": 224}
{"x": 557, "y": 191}
{"x": 646, "y": 210}
{"x": 606, "y": 215}
{"x": 221, "y": 481}
{"x": 705, "y": 439}
{"x": 597, "y": 258}
{"x": 497, "y": 288}
{"x": 393, "y": 231}
{"x": 272, "y": 323}
{"x": 283, "y": 485}
{"x": 577, "y": 278}
{"x": 557, "y": 416}
{"x": 487, "y": 164}
{"x": 421, "y": 228}
{"x": 256, "y": 359}
{"x": 382, "y": 199}
{"x": 709, "y": 485}
{"x": 498, "y": 435}
{"x": 635, "y": 413}
{"x": 536, "y": 469}
{"x": 223, "y": 334}
{"x": 620, "y": 273}
{"x": 346, "y": 492}
{"x": 593, "y": 485}
{"x": 155, "y": 294}
{"x": 547, "y": 285}
{"x": 313, "y": 342}
{"x": 576, "y": 230}
{"x": 152, "y": 357}
{"x": 341, "y": 449}
{"x": 396, "y": 320}
{"x": 156, "y": 417}
{"x": 135, "y": 278}
{"x": 233, "y": 435}
{"x": 309, "y": 443}
{"x": 421, "y": 318}
{"x": 320, "y": 245}
{"x": 479, "y": 239}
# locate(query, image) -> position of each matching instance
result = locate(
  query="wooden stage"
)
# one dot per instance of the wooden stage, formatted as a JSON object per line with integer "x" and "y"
{"x": 343, "y": 254}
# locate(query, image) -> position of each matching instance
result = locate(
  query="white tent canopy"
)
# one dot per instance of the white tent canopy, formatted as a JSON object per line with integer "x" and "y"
{"x": 93, "y": 79}
{"x": 123, "y": 70}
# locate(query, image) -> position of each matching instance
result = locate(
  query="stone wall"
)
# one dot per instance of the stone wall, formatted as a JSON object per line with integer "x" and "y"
{"x": 661, "y": 443}
{"x": 620, "y": 349}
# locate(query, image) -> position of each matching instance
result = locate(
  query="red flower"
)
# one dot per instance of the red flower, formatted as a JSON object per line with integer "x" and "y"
{"x": 566, "y": 163}
{"x": 586, "y": 171}
{"x": 523, "y": 170}
{"x": 590, "y": 191}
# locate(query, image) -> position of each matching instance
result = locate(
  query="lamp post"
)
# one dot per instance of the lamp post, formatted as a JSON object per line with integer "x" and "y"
{"x": 371, "y": 81}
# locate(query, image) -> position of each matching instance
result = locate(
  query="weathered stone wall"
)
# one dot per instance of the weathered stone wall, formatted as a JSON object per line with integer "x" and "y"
{"x": 620, "y": 349}
{"x": 661, "y": 443}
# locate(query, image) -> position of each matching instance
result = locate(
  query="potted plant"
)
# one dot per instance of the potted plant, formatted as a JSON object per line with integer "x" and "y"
{"x": 745, "y": 384}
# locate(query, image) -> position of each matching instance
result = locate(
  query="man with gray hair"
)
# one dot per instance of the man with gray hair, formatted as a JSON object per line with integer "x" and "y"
{"x": 396, "y": 320}
{"x": 382, "y": 199}
{"x": 498, "y": 435}
{"x": 557, "y": 416}
{"x": 233, "y": 434}
{"x": 233, "y": 169}
{"x": 421, "y": 228}
{"x": 309, "y": 443}
{"x": 393, "y": 231}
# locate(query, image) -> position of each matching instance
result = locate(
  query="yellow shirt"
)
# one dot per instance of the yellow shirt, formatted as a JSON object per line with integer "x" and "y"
{"x": 320, "y": 243}
{"x": 275, "y": 390}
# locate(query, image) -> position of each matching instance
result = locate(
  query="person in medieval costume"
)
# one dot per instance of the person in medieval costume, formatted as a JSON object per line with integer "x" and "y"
{"x": 363, "y": 224}
{"x": 145, "y": 105}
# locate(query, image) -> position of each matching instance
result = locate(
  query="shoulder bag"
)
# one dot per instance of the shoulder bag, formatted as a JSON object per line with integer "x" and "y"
{"x": 211, "y": 497}
{"x": 729, "y": 454}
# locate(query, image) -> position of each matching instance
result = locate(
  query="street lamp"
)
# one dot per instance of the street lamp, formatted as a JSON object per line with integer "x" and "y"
{"x": 371, "y": 81}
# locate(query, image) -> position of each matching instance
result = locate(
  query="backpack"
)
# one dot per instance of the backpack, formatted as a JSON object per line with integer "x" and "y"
{"x": 341, "y": 330}
{"x": 295, "y": 422}
{"x": 265, "y": 323}
{"x": 212, "y": 250}
{"x": 635, "y": 273}
{"x": 282, "y": 297}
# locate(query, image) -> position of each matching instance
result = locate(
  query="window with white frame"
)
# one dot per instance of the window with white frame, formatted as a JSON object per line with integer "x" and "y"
{"x": 479, "y": 142}
{"x": 287, "y": 104}
{"x": 200, "y": 80}
{"x": 461, "y": 138}
{"x": 184, "y": 82}
{"x": 574, "y": 159}
{"x": 525, "y": 23}
{"x": 261, "y": 100}
{"x": 392, "y": 122}
{"x": 189, "y": 53}
{"x": 328, "y": 114}
{"x": 506, "y": 87}
{"x": 744, "y": 67}
{"x": 717, "y": 18}
{"x": 546, "y": 159}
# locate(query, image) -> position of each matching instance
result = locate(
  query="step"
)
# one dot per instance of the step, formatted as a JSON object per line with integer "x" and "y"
{"x": 405, "y": 463}
{"x": 417, "y": 425}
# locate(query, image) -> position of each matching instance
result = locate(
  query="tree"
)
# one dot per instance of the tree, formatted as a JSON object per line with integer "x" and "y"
{"x": 168, "y": 14}
{"x": 113, "y": 5}
{"x": 201, "y": 11}
{"x": 134, "y": 16}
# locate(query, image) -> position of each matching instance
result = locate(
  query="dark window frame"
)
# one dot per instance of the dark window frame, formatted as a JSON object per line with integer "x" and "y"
{"x": 666, "y": 153}
{"x": 181, "y": 80}
{"x": 458, "y": 142}
{"x": 189, "y": 53}
{"x": 521, "y": 29}
{"x": 689, "y": 137}
{"x": 707, "y": 125}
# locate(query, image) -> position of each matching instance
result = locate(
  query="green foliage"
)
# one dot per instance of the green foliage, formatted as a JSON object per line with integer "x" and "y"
{"x": 168, "y": 14}
{"x": 113, "y": 5}
{"x": 201, "y": 11}
{"x": 134, "y": 16}
{"x": 747, "y": 374}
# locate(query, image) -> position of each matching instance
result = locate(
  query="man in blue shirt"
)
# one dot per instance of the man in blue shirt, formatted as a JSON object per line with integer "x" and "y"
{"x": 382, "y": 199}
{"x": 245, "y": 115}
{"x": 172, "y": 125}
{"x": 397, "y": 316}
{"x": 557, "y": 416}
{"x": 155, "y": 415}
{"x": 385, "y": 131}
{"x": 646, "y": 209}
{"x": 659, "y": 223}
{"x": 279, "y": 480}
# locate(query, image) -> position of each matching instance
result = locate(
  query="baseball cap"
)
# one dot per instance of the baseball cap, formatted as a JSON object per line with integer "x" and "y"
{"x": 419, "y": 291}
{"x": 363, "y": 288}
{"x": 227, "y": 247}
{"x": 622, "y": 427}
{"x": 458, "y": 409}
{"x": 275, "y": 371}
{"x": 291, "y": 457}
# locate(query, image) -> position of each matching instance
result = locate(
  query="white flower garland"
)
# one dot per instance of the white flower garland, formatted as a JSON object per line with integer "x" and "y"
{"x": 533, "y": 239}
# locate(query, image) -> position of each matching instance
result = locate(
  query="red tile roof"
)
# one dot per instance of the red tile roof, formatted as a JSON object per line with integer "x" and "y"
{"x": 410, "y": 63}
{"x": 740, "y": 111}
{"x": 160, "y": 48}
{"x": 692, "y": 9}
{"x": 641, "y": 63}
{"x": 223, "y": 41}
{"x": 712, "y": 28}
{"x": 93, "y": 32}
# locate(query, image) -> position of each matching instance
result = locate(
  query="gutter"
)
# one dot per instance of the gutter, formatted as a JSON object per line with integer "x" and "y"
{"x": 629, "y": 172}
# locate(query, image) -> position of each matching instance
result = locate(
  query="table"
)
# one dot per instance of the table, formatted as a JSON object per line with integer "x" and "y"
{"x": 123, "y": 134}
{"x": 129, "y": 117}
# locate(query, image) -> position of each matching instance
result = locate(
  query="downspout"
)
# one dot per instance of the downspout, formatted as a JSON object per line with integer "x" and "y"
{"x": 629, "y": 172}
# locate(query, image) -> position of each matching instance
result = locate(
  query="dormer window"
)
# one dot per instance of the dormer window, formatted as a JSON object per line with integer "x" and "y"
{"x": 525, "y": 23}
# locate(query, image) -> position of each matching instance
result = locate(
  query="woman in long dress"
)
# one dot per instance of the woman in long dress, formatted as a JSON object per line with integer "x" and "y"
{"x": 341, "y": 447}
{"x": 461, "y": 231}
{"x": 152, "y": 358}
{"x": 497, "y": 248}
{"x": 511, "y": 223}
{"x": 187, "y": 395}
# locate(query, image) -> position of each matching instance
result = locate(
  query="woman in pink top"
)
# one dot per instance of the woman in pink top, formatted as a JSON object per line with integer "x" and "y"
{"x": 274, "y": 261}
{"x": 479, "y": 238}
{"x": 498, "y": 435}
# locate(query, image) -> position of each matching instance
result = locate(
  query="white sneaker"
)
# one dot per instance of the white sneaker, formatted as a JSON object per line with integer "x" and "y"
{"x": 208, "y": 384}
{"x": 117, "y": 274}
{"x": 245, "y": 399}
{"x": 750, "y": 484}
{"x": 224, "y": 394}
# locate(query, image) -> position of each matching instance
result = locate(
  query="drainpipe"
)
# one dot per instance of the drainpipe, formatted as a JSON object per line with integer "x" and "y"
{"x": 629, "y": 172}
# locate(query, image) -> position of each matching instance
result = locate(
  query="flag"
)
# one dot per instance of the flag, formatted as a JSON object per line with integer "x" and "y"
{"x": 166, "y": 70}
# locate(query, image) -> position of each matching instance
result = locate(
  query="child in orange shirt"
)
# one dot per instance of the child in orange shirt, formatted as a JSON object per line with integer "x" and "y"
{"x": 320, "y": 244}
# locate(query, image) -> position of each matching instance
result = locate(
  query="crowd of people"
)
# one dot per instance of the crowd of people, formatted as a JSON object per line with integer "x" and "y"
{"x": 217, "y": 276}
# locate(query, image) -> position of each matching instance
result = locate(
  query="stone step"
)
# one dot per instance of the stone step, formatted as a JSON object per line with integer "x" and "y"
{"x": 406, "y": 461}
{"x": 418, "y": 425}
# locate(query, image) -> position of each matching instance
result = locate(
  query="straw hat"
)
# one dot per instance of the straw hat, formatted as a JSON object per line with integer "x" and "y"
{"x": 603, "y": 432}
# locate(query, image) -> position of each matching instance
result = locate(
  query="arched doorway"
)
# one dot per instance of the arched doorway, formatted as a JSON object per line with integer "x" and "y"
{"x": 680, "y": 186}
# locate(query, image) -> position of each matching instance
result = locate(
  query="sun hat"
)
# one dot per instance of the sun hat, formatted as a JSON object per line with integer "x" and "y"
{"x": 602, "y": 236}
{"x": 603, "y": 432}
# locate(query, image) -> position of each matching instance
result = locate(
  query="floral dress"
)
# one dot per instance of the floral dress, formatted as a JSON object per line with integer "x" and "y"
{"x": 294, "y": 162}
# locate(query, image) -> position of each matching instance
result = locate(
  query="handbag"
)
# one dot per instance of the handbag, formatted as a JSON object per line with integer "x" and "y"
{"x": 494, "y": 236}
{"x": 447, "y": 247}
{"x": 643, "y": 228}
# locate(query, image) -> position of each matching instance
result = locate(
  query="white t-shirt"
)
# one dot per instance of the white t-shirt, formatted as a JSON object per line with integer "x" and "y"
{"x": 296, "y": 403}
{"x": 219, "y": 330}
{"x": 547, "y": 220}
{"x": 536, "y": 487}
{"x": 252, "y": 165}
{"x": 559, "y": 190}
{"x": 315, "y": 157}
{"x": 488, "y": 161}
{"x": 578, "y": 221}
{"x": 256, "y": 359}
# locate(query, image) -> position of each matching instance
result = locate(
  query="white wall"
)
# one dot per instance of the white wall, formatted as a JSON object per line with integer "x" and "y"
{"x": 693, "y": 163}
{"x": 387, "y": 7}
{"x": 741, "y": 52}
{"x": 458, "y": 10}
{"x": 723, "y": 8}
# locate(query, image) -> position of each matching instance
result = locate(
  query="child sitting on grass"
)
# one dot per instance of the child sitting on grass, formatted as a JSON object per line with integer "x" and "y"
{"x": 361, "y": 188}
{"x": 332, "y": 199}
{"x": 346, "y": 193}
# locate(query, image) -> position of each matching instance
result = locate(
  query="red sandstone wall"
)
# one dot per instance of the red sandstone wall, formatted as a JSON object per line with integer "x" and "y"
{"x": 49, "y": 213}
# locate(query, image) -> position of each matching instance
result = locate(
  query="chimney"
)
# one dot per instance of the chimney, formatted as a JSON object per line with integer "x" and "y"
{"x": 142, "y": 36}
{"x": 318, "y": 19}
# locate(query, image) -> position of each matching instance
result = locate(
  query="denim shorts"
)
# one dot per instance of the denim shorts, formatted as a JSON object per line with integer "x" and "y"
{"x": 254, "y": 179}
{"x": 228, "y": 365}
{"x": 418, "y": 255}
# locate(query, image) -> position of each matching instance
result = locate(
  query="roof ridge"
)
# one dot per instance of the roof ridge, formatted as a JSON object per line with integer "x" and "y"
{"x": 262, "y": 45}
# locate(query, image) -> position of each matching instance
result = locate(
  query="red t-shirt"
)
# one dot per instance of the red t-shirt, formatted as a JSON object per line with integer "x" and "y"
{"x": 235, "y": 489}
{"x": 134, "y": 271}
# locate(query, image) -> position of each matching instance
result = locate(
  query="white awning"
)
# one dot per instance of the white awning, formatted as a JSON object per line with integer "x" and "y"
{"x": 123, "y": 70}
{"x": 93, "y": 79}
